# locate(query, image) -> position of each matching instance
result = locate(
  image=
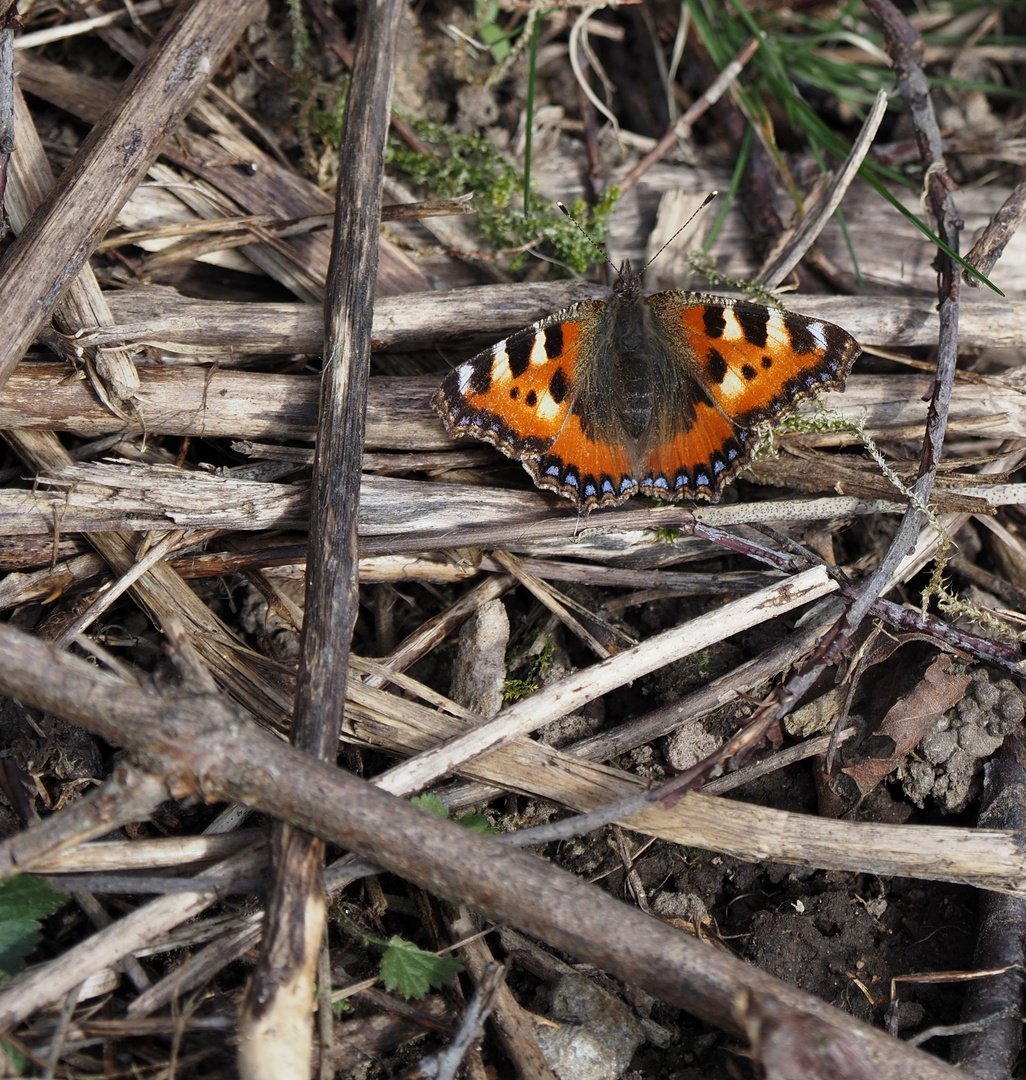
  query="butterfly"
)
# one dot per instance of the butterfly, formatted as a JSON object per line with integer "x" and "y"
{"x": 663, "y": 395}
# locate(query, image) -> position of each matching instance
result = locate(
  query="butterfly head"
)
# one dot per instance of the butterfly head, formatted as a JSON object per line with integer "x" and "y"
{"x": 628, "y": 283}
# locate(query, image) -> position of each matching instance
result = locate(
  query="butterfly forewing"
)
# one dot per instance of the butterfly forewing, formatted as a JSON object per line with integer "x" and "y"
{"x": 755, "y": 361}
{"x": 516, "y": 394}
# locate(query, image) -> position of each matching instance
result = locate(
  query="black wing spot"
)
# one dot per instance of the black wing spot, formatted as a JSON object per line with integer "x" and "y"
{"x": 749, "y": 372}
{"x": 514, "y": 392}
{"x": 802, "y": 341}
{"x": 553, "y": 341}
{"x": 753, "y": 322}
{"x": 518, "y": 349}
{"x": 481, "y": 377}
{"x": 532, "y": 399}
{"x": 767, "y": 362}
{"x": 715, "y": 366}
{"x": 558, "y": 386}
{"x": 713, "y": 320}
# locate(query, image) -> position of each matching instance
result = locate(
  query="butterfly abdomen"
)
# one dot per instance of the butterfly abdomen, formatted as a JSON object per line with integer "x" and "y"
{"x": 634, "y": 360}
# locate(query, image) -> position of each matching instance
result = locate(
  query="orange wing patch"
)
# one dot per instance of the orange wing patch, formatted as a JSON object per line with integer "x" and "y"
{"x": 517, "y": 395}
{"x": 698, "y": 462}
{"x": 569, "y": 398}
{"x": 593, "y": 472}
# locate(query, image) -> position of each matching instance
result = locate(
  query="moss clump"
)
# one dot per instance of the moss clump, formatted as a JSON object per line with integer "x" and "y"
{"x": 463, "y": 163}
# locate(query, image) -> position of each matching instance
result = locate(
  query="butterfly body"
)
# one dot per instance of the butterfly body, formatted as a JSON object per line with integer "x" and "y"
{"x": 662, "y": 395}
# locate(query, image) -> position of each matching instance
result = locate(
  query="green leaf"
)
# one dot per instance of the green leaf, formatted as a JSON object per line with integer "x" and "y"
{"x": 430, "y": 802}
{"x": 23, "y": 902}
{"x": 477, "y": 823}
{"x": 496, "y": 39}
{"x": 413, "y": 971}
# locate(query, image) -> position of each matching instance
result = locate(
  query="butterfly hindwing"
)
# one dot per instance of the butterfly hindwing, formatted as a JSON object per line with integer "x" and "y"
{"x": 699, "y": 459}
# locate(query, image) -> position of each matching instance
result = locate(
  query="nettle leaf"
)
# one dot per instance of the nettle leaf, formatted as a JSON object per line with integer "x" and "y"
{"x": 474, "y": 822}
{"x": 24, "y": 901}
{"x": 413, "y": 971}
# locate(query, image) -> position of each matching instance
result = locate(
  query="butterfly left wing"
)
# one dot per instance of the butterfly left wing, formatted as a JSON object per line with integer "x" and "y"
{"x": 751, "y": 364}
{"x": 521, "y": 396}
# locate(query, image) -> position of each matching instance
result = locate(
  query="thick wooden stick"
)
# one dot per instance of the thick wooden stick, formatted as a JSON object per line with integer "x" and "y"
{"x": 275, "y": 1025}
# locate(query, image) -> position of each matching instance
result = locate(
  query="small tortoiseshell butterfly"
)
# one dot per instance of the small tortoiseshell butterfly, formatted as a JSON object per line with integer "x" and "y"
{"x": 662, "y": 395}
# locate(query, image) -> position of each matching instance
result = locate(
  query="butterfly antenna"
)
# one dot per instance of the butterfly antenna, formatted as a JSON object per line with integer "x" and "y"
{"x": 583, "y": 232}
{"x": 705, "y": 202}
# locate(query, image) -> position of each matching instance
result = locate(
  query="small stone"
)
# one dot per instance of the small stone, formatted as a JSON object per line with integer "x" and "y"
{"x": 938, "y": 746}
{"x": 974, "y": 740}
{"x": 479, "y": 671}
{"x": 969, "y": 710}
{"x": 688, "y": 745}
{"x": 597, "y": 1034}
{"x": 960, "y": 771}
{"x": 918, "y": 781}
{"x": 683, "y": 907}
{"x": 1010, "y": 707}
{"x": 985, "y": 692}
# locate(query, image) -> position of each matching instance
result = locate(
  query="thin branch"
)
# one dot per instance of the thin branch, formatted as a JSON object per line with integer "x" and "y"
{"x": 811, "y": 225}
{"x": 275, "y": 1033}
{"x": 110, "y": 163}
{"x": 682, "y": 128}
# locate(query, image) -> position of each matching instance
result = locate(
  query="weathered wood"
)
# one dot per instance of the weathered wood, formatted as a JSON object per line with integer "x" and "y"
{"x": 275, "y": 1037}
{"x": 398, "y": 515}
{"x": 163, "y": 595}
{"x": 300, "y": 264}
{"x": 218, "y": 755}
{"x": 110, "y": 162}
{"x": 161, "y": 317}
{"x": 219, "y": 403}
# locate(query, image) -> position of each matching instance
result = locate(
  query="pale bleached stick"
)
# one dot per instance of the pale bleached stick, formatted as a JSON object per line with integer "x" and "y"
{"x": 114, "y": 855}
{"x": 49, "y": 982}
{"x": 566, "y": 695}
{"x": 984, "y": 858}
